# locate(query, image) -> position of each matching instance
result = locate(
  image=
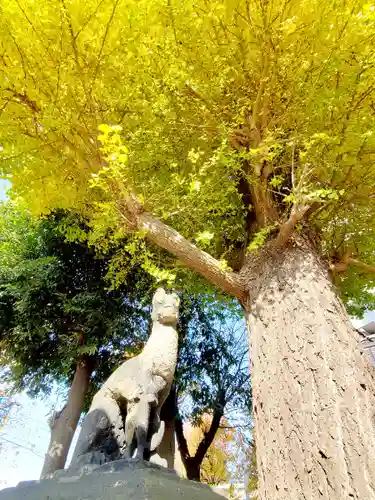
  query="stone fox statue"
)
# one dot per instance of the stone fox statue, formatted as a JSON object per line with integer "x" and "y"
{"x": 135, "y": 392}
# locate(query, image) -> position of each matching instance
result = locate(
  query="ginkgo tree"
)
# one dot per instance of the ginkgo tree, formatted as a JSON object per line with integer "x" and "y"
{"x": 238, "y": 135}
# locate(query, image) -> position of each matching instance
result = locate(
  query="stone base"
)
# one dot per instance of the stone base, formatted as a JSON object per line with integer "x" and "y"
{"x": 125, "y": 479}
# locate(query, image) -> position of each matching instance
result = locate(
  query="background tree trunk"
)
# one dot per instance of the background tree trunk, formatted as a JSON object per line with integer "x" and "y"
{"x": 313, "y": 389}
{"x": 193, "y": 469}
{"x": 191, "y": 463}
{"x": 65, "y": 423}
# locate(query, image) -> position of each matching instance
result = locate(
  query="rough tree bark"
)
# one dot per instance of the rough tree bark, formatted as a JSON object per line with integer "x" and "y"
{"x": 313, "y": 393}
{"x": 313, "y": 389}
{"x": 65, "y": 422}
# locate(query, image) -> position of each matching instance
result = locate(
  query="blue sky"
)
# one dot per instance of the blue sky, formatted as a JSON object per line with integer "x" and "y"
{"x": 24, "y": 438}
{"x": 368, "y": 317}
{"x": 3, "y": 186}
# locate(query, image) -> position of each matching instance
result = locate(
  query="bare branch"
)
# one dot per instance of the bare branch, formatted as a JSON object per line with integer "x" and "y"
{"x": 19, "y": 51}
{"x": 20, "y": 445}
{"x": 233, "y": 426}
{"x": 80, "y": 72}
{"x": 287, "y": 229}
{"x": 88, "y": 19}
{"x": 23, "y": 98}
{"x": 34, "y": 29}
{"x": 103, "y": 42}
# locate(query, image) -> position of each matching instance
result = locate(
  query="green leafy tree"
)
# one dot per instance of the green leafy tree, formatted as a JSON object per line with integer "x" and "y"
{"x": 214, "y": 467}
{"x": 60, "y": 323}
{"x": 238, "y": 133}
{"x": 212, "y": 385}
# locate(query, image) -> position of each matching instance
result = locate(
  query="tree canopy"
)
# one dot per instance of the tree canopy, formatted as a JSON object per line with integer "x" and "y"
{"x": 56, "y": 305}
{"x": 228, "y": 120}
{"x": 209, "y": 129}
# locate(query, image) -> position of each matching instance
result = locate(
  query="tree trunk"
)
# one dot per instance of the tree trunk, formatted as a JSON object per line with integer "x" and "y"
{"x": 65, "y": 423}
{"x": 193, "y": 464}
{"x": 313, "y": 389}
{"x": 193, "y": 469}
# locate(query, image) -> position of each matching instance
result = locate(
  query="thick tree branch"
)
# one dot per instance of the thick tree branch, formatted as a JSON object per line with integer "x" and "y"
{"x": 342, "y": 266}
{"x": 363, "y": 265}
{"x": 287, "y": 229}
{"x": 169, "y": 239}
{"x": 264, "y": 209}
{"x": 209, "y": 436}
{"x": 207, "y": 439}
{"x": 23, "y": 98}
{"x": 193, "y": 257}
{"x": 313, "y": 209}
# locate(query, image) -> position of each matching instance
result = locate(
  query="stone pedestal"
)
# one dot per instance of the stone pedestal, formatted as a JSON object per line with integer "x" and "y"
{"x": 120, "y": 480}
